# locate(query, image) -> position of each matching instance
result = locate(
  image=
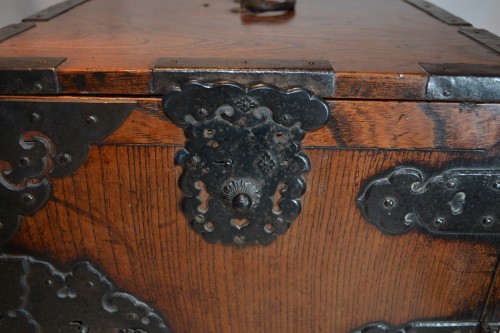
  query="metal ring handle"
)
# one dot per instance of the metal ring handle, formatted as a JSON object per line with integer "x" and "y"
{"x": 261, "y": 6}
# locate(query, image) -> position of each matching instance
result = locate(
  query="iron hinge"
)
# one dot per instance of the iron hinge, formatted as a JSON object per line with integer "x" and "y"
{"x": 53, "y": 11}
{"x": 457, "y": 201}
{"x": 316, "y": 76}
{"x": 462, "y": 82}
{"x": 29, "y": 76}
{"x": 482, "y": 36}
{"x": 431, "y": 327}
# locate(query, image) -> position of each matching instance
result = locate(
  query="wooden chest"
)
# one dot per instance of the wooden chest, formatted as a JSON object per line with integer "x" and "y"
{"x": 192, "y": 166}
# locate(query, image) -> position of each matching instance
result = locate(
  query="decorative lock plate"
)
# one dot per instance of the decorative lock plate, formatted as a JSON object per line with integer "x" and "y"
{"x": 242, "y": 159}
{"x": 458, "y": 201}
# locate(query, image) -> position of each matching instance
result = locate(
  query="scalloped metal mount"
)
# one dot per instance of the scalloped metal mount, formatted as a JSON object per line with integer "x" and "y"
{"x": 40, "y": 140}
{"x": 242, "y": 152}
{"x": 36, "y": 297}
{"x": 457, "y": 201}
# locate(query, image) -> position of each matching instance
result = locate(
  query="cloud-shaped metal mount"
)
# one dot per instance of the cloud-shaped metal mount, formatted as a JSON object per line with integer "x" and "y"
{"x": 457, "y": 201}
{"x": 201, "y": 101}
{"x": 36, "y": 297}
{"x": 40, "y": 140}
{"x": 248, "y": 136}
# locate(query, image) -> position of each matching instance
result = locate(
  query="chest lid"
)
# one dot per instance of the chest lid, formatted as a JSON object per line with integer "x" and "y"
{"x": 361, "y": 49}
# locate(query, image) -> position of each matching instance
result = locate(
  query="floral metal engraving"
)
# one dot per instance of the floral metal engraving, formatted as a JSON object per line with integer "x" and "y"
{"x": 41, "y": 140}
{"x": 242, "y": 143}
{"x": 36, "y": 298}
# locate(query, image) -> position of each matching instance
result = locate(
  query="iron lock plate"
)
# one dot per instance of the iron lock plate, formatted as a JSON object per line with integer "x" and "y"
{"x": 242, "y": 160}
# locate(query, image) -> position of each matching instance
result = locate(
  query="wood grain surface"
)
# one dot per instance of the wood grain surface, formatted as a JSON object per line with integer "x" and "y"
{"x": 331, "y": 272}
{"x": 352, "y": 124}
{"x": 374, "y": 46}
{"x": 356, "y": 124}
{"x": 491, "y": 312}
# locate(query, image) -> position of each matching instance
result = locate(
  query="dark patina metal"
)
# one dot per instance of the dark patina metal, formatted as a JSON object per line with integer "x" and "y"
{"x": 317, "y": 76}
{"x": 261, "y": 6}
{"x": 29, "y": 76}
{"x": 438, "y": 12}
{"x": 463, "y": 82}
{"x": 37, "y": 298}
{"x": 242, "y": 160}
{"x": 424, "y": 327}
{"x": 55, "y": 10}
{"x": 14, "y": 29}
{"x": 490, "y": 327}
{"x": 42, "y": 140}
{"x": 482, "y": 36}
{"x": 462, "y": 201}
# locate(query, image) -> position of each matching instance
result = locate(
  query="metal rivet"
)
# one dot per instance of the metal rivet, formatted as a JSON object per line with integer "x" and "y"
{"x": 389, "y": 203}
{"x": 48, "y": 282}
{"x": 496, "y": 185}
{"x": 487, "y": 221}
{"x": 209, "y": 227}
{"x": 28, "y": 198}
{"x": 228, "y": 163}
{"x": 287, "y": 117}
{"x": 312, "y": 63}
{"x": 439, "y": 221}
{"x": 65, "y": 159}
{"x": 451, "y": 183}
{"x": 37, "y": 87}
{"x": 269, "y": 228}
{"x": 89, "y": 284}
{"x": 199, "y": 218}
{"x": 132, "y": 316}
{"x": 24, "y": 161}
{"x": 202, "y": 112}
{"x": 91, "y": 120}
{"x": 35, "y": 117}
{"x": 194, "y": 161}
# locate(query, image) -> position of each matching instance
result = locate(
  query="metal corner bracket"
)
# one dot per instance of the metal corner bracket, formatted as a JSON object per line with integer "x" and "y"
{"x": 36, "y": 297}
{"x": 41, "y": 140}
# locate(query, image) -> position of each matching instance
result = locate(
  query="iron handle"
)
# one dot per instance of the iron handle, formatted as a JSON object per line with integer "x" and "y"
{"x": 261, "y": 6}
